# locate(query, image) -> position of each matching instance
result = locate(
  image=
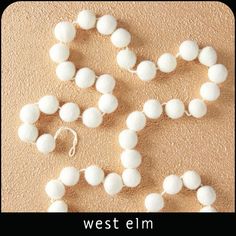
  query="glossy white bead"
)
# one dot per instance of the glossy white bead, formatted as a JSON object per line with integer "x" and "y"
{"x": 208, "y": 209}
{"x": 166, "y": 63}
{"x": 65, "y": 32}
{"x": 191, "y": 179}
{"x": 58, "y": 206}
{"x": 136, "y": 121}
{"x": 217, "y": 73}
{"x": 27, "y": 133}
{"x": 92, "y": 117}
{"x": 128, "y": 139}
{"x": 197, "y": 108}
{"x": 172, "y": 184}
{"x": 105, "y": 84}
{"x": 85, "y": 78}
{"x": 121, "y": 38}
{"x": 206, "y": 195}
{"x": 29, "y": 113}
{"x": 131, "y": 177}
{"x": 210, "y": 91}
{"x": 189, "y": 50}
{"x": 86, "y": 19}
{"x": 126, "y": 59}
{"x": 207, "y": 56}
{"x": 69, "y": 176}
{"x": 106, "y": 24}
{"x": 48, "y": 104}
{"x": 107, "y": 103}
{"x": 65, "y": 71}
{"x": 174, "y": 108}
{"x": 152, "y": 109}
{"x": 69, "y": 112}
{"x": 45, "y": 143}
{"x": 94, "y": 175}
{"x": 113, "y": 183}
{"x": 55, "y": 189}
{"x": 154, "y": 202}
{"x": 130, "y": 158}
{"x": 146, "y": 70}
{"x": 59, "y": 52}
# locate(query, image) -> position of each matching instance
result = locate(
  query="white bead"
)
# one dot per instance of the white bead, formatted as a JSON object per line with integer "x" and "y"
{"x": 94, "y": 175}
{"x": 174, "y": 108}
{"x": 146, "y": 70}
{"x": 59, "y": 52}
{"x": 126, "y": 59}
{"x": 65, "y": 70}
{"x": 154, "y": 202}
{"x": 197, "y": 108}
{"x": 105, "y": 84}
{"x": 207, "y": 56}
{"x": 107, "y": 103}
{"x": 208, "y": 209}
{"x": 191, "y": 179}
{"x": 217, "y": 73}
{"x": 85, "y": 78}
{"x": 69, "y": 112}
{"x": 189, "y": 50}
{"x": 136, "y": 121}
{"x": 121, "y": 38}
{"x": 106, "y": 24}
{"x": 27, "y": 133}
{"x": 210, "y": 91}
{"x": 172, "y": 184}
{"x": 152, "y": 108}
{"x": 206, "y": 195}
{"x": 131, "y": 178}
{"x": 55, "y": 189}
{"x": 166, "y": 63}
{"x": 29, "y": 113}
{"x": 92, "y": 117}
{"x": 86, "y": 19}
{"x": 45, "y": 143}
{"x": 48, "y": 104}
{"x": 65, "y": 32}
{"x": 58, "y": 206}
{"x": 128, "y": 139}
{"x": 113, "y": 183}
{"x": 69, "y": 176}
{"x": 131, "y": 158}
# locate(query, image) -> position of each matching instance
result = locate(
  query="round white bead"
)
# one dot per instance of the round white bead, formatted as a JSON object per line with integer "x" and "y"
{"x": 58, "y": 206}
{"x": 189, "y": 50}
{"x": 69, "y": 176}
{"x": 146, "y": 70}
{"x": 206, "y": 195}
{"x": 191, "y": 179}
{"x": 28, "y": 133}
{"x": 136, "y": 121}
{"x": 48, "y": 104}
{"x": 131, "y": 158}
{"x": 107, "y": 103}
{"x": 55, "y": 189}
{"x": 92, "y": 117}
{"x": 197, "y": 108}
{"x": 217, "y": 73}
{"x": 65, "y": 70}
{"x": 86, "y": 19}
{"x": 65, "y": 32}
{"x": 113, "y": 183}
{"x": 128, "y": 139}
{"x": 59, "y": 52}
{"x": 69, "y": 112}
{"x": 121, "y": 38}
{"x": 131, "y": 177}
{"x": 208, "y": 209}
{"x": 105, "y": 84}
{"x": 126, "y": 59}
{"x": 174, "y": 108}
{"x": 154, "y": 202}
{"x": 152, "y": 108}
{"x": 94, "y": 175}
{"x": 29, "y": 113}
{"x": 106, "y": 24}
{"x": 207, "y": 56}
{"x": 210, "y": 91}
{"x": 45, "y": 143}
{"x": 166, "y": 63}
{"x": 172, "y": 184}
{"x": 85, "y": 78}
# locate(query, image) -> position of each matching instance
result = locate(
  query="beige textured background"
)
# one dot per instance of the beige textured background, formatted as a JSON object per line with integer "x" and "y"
{"x": 167, "y": 146}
